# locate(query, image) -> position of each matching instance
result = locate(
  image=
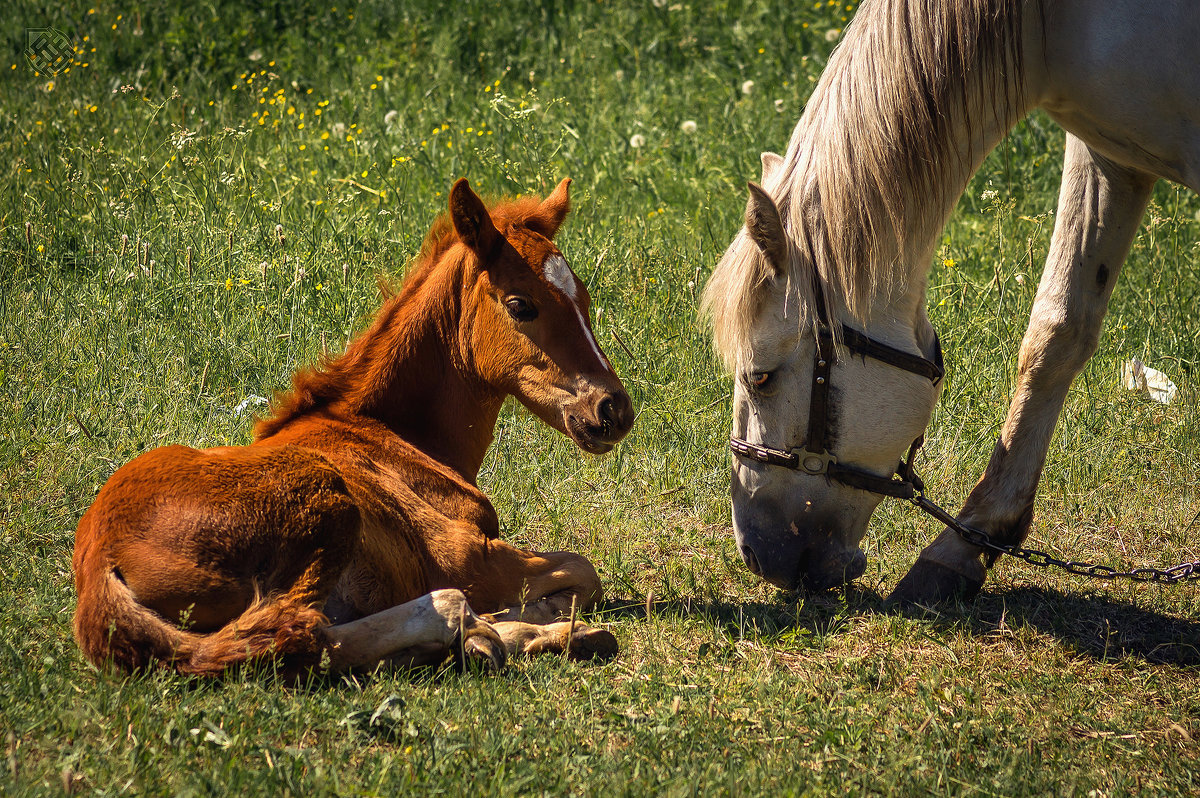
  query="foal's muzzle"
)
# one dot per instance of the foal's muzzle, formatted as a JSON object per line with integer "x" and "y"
{"x": 599, "y": 418}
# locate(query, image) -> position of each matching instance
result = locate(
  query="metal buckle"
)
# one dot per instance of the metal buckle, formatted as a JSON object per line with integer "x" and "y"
{"x": 762, "y": 454}
{"x": 814, "y": 463}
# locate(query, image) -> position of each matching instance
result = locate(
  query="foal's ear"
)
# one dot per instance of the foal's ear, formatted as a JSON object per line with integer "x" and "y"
{"x": 770, "y": 162}
{"x": 550, "y": 214}
{"x": 765, "y": 227}
{"x": 471, "y": 219}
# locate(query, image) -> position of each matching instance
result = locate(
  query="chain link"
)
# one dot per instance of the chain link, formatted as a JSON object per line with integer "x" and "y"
{"x": 1184, "y": 572}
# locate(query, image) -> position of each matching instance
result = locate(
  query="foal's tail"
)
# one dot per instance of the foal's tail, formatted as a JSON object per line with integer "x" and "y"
{"x": 111, "y": 626}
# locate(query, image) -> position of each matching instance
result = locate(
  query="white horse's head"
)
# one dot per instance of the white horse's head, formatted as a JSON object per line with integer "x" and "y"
{"x": 794, "y": 528}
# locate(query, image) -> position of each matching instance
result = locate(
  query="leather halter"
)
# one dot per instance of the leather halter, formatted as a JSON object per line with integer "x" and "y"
{"x": 814, "y": 457}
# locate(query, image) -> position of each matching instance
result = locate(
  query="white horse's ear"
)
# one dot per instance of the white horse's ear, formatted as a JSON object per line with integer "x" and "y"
{"x": 765, "y": 227}
{"x": 771, "y": 162}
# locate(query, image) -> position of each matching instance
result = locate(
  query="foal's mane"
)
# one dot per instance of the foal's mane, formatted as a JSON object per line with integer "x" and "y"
{"x": 359, "y": 375}
{"x": 865, "y": 156}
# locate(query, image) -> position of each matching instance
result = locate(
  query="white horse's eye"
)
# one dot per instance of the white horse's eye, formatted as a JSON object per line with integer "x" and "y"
{"x": 759, "y": 379}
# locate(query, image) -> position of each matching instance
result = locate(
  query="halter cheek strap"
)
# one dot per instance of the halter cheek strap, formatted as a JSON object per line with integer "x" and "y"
{"x": 814, "y": 458}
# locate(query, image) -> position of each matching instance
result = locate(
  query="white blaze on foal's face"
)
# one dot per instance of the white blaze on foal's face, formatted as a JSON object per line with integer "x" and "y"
{"x": 559, "y": 275}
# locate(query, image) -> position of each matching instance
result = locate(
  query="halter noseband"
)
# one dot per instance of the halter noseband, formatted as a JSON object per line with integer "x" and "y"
{"x": 814, "y": 458}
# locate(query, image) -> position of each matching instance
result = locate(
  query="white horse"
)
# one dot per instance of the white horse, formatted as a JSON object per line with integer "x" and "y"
{"x": 846, "y": 224}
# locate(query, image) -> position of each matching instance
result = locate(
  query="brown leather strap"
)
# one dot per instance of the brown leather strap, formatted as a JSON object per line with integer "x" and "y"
{"x": 818, "y": 404}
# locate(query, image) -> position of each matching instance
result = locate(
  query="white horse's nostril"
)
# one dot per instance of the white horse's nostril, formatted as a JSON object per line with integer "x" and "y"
{"x": 751, "y": 561}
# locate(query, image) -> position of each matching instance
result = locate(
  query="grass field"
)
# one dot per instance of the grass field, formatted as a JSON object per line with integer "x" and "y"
{"x": 146, "y": 294}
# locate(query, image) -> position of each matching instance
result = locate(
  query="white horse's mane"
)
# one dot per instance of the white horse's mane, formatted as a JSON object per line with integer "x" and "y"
{"x": 867, "y": 155}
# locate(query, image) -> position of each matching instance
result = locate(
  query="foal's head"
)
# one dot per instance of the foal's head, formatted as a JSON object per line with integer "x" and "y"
{"x": 525, "y": 318}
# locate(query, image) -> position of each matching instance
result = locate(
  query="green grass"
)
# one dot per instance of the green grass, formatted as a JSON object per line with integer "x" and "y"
{"x": 724, "y": 685}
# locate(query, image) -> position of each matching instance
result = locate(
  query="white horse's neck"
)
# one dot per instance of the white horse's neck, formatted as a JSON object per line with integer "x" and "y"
{"x": 869, "y": 180}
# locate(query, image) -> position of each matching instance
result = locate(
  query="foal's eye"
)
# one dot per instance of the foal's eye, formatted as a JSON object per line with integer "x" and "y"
{"x": 520, "y": 308}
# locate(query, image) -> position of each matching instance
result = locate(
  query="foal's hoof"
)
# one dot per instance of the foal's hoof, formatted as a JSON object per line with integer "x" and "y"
{"x": 588, "y": 643}
{"x": 481, "y": 650}
{"x": 930, "y": 583}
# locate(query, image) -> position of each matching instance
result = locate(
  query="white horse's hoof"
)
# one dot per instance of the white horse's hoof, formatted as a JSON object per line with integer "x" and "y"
{"x": 930, "y": 583}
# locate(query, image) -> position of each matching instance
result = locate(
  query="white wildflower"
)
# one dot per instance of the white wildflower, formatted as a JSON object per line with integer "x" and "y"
{"x": 747, "y": 87}
{"x": 249, "y": 403}
{"x": 989, "y": 196}
{"x": 688, "y": 126}
{"x": 256, "y": 55}
{"x": 778, "y": 106}
{"x": 390, "y": 117}
{"x": 637, "y": 140}
{"x": 832, "y": 35}
{"x": 182, "y": 137}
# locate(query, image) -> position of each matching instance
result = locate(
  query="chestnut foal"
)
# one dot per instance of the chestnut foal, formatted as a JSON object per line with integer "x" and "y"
{"x": 352, "y": 530}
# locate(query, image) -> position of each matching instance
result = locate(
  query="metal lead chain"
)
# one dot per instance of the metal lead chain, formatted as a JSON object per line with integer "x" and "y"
{"x": 1184, "y": 572}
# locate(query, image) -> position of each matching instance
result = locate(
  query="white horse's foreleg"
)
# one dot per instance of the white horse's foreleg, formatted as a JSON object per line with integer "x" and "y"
{"x": 421, "y": 631}
{"x": 1099, "y": 208}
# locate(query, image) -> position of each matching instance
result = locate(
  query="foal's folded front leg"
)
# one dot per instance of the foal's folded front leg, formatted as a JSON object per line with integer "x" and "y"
{"x": 578, "y": 640}
{"x": 534, "y": 587}
{"x": 534, "y": 599}
{"x": 419, "y": 632}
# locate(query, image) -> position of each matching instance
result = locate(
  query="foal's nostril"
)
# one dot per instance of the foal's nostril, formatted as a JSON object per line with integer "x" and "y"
{"x": 617, "y": 411}
{"x": 607, "y": 413}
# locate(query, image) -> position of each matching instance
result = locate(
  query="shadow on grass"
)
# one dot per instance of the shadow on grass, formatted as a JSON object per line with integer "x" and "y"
{"x": 1091, "y": 624}
{"x": 820, "y": 614}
